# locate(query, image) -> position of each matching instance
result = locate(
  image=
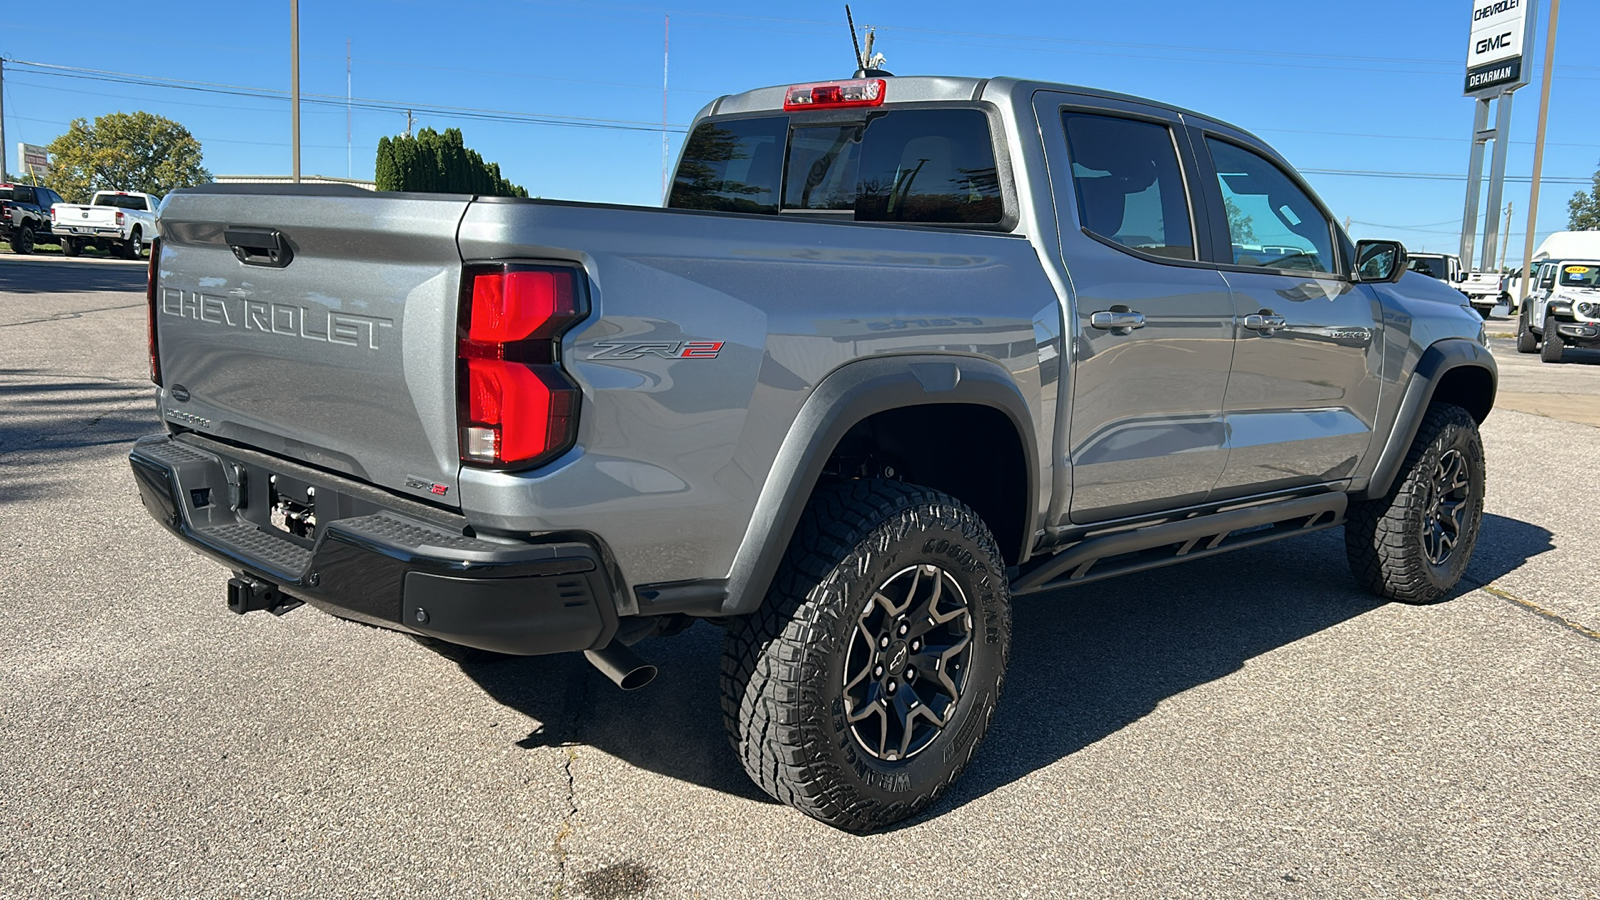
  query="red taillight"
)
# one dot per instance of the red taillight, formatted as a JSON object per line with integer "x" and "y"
{"x": 52, "y": 213}
{"x": 517, "y": 407}
{"x": 121, "y": 216}
{"x": 150, "y": 301}
{"x": 835, "y": 94}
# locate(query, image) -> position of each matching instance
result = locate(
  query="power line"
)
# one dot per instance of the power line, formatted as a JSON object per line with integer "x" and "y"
{"x": 1430, "y": 176}
{"x": 330, "y": 100}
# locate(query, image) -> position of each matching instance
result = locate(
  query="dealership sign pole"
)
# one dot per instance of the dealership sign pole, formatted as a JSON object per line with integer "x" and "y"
{"x": 1501, "y": 39}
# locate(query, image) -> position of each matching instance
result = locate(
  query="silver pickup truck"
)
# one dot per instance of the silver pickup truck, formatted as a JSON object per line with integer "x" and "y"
{"x": 897, "y": 351}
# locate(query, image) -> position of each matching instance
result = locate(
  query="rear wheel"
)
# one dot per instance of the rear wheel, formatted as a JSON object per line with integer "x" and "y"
{"x": 1550, "y": 350}
{"x": 70, "y": 247}
{"x": 1413, "y": 544}
{"x": 861, "y": 689}
{"x": 22, "y": 240}
{"x": 1527, "y": 341}
{"x": 133, "y": 247}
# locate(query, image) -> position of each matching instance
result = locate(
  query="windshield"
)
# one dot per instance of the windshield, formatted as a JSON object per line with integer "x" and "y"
{"x": 1580, "y": 275}
{"x": 1433, "y": 267}
{"x": 120, "y": 201}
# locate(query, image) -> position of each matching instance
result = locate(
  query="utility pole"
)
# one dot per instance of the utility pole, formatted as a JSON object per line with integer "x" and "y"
{"x": 294, "y": 83}
{"x": 1538, "y": 147}
{"x": 1507, "y": 241}
{"x": 408, "y": 123}
{"x": 666, "y": 44}
{"x": 349, "y": 165}
{"x": 2, "y": 117}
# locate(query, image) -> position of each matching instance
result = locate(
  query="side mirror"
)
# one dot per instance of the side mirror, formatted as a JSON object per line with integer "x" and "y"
{"x": 1380, "y": 262}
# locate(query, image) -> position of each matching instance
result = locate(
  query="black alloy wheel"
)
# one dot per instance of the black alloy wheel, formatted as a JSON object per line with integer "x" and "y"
{"x": 907, "y": 662}
{"x": 1449, "y": 497}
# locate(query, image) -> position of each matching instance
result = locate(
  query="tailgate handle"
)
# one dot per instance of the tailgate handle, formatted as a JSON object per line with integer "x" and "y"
{"x": 259, "y": 246}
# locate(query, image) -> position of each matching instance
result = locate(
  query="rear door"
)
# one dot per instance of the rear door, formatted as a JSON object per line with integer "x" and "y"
{"x": 1152, "y": 329}
{"x": 1303, "y": 393}
{"x": 344, "y": 357}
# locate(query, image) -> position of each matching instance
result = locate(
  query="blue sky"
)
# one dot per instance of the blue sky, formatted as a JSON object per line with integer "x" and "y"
{"x": 1358, "y": 85}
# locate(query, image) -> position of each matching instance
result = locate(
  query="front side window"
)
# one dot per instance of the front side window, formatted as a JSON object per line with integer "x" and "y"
{"x": 732, "y": 166}
{"x": 1130, "y": 189}
{"x": 1272, "y": 223}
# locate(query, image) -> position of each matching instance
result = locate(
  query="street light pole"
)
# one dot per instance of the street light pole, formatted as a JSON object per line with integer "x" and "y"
{"x": 294, "y": 83}
{"x": 1538, "y": 148}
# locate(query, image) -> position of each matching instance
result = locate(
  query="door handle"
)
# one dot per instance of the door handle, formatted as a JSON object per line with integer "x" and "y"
{"x": 1117, "y": 321}
{"x": 1264, "y": 322}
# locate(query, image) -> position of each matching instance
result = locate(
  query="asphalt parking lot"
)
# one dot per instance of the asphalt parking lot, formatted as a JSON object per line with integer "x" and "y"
{"x": 1247, "y": 726}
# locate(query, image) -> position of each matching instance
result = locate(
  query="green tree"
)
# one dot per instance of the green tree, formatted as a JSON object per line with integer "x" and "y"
{"x": 136, "y": 151}
{"x": 439, "y": 163}
{"x": 1583, "y": 210}
{"x": 1241, "y": 226}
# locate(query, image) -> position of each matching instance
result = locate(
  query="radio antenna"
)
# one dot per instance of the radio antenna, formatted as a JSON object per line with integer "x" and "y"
{"x": 861, "y": 61}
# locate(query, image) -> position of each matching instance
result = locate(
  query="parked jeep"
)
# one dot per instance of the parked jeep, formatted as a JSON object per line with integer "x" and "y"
{"x": 1563, "y": 310}
{"x": 897, "y": 351}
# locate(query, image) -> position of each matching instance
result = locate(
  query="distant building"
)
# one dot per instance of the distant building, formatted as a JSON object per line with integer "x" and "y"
{"x": 288, "y": 179}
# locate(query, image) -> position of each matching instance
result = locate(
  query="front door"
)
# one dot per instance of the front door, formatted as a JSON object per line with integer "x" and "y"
{"x": 1152, "y": 325}
{"x": 1303, "y": 393}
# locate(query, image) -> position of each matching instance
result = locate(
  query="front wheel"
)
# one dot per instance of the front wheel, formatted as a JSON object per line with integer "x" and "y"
{"x": 1550, "y": 350}
{"x": 22, "y": 240}
{"x": 1527, "y": 341}
{"x": 863, "y": 686}
{"x": 1413, "y": 544}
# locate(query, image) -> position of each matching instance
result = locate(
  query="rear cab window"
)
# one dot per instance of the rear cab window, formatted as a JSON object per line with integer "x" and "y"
{"x": 920, "y": 166}
{"x": 121, "y": 201}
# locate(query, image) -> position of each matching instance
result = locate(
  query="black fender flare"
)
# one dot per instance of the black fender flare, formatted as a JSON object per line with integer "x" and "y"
{"x": 845, "y": 397}
{"x": 1440, "y": 358}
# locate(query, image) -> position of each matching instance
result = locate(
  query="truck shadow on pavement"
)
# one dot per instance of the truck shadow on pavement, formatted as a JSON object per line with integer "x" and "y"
{"x": 70, "y": 277}
{"x": 51, "y": 419}
{"x": 1085, "y": 662}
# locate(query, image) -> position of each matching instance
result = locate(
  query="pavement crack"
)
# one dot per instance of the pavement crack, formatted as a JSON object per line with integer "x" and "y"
{"x": 569, "y": 821}
{"x": 69, "y": 315}
{"x": 1536, "y": 609}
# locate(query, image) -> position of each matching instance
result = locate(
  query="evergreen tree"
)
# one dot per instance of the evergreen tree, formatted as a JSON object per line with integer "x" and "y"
{"x": 432, "y": 162}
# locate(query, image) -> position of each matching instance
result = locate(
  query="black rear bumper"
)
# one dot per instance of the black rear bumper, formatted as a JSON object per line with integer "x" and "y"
{"x": 377, "y": 558}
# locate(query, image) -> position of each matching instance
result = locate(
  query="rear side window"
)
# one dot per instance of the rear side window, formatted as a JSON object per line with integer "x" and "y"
{"x": 732, "y": 166}
{"x": 1129, "y": 187}
{"x": 934, "y": 166}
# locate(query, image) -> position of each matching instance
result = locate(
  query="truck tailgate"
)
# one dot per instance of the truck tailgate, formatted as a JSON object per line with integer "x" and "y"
{"x": 344, "y": 358}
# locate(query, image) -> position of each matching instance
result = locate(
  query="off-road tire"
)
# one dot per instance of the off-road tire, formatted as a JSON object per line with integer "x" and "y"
{"x": 70, "y": 247}
{"x": 1527, "y": 341}
{"x": 1384, "y": 538}
{"x": 22, "y": 240}
{"x": 1550, "y": 350}
{"x": 784, "y": 694}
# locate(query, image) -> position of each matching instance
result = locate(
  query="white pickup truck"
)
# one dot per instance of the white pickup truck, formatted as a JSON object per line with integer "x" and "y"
{"x": 123, "y": 221}
{"x": 1485, "y": 291}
